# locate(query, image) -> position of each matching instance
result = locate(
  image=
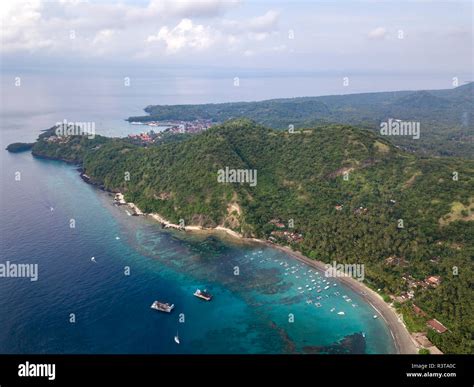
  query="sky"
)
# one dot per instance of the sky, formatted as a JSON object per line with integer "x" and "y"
{"x": 284, "y": 37}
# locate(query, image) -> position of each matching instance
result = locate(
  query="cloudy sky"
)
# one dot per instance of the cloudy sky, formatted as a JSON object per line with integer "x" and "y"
{"x": 281, "y": 36}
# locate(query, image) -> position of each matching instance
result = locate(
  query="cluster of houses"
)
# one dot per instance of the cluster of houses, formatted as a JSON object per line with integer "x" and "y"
{"x": 420, "y": 337}
{"x": 282, "y": 234}
{"x": 58, "y": 139}
{"x": 431, "y": 281}
{"x": 196, "y": 126}
{"x": 396, "y": 261}
{"x": 143, "y": 137}
{"x": 289, "y": 237}
{"x": 174, "y": 127}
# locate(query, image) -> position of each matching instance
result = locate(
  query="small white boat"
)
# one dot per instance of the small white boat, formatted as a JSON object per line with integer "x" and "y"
{"x": 176, "y": 338}
{"x": 203, "y": 294}
{"x": 375, "y": 316}
{"x": 333, "y": 309}
{"x": 341, "y": 313}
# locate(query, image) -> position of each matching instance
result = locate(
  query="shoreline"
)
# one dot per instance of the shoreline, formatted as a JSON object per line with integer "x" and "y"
{"x": 402, "y": 338}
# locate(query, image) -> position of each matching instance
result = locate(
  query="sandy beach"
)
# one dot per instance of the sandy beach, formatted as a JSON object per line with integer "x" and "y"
{"x": 404, "y": 343}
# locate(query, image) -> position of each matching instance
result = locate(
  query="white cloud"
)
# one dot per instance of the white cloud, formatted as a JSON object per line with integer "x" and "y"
{"x": 42, "y": 24}
{"x": 228, "y": 34}
{"x": 185, "y": 35}
{"x": 103, "y": 36}
{"x": 378, "y": 33}
{"x": 280, "y": 48}
{"x": 194, "y": 8}
{"x": 266, "y": 22}
{"x": 258, "y": 36}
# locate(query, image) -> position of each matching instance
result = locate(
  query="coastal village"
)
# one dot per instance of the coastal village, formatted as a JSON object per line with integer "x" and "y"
{"x": 431, "y": 322}
{"x": 170, "y": 127}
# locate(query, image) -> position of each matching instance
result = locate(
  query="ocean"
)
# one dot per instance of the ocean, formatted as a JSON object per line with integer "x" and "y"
{"x": 264, "y": 300}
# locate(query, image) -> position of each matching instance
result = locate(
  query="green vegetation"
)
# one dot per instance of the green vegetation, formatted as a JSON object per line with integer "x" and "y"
{"x": 413, "y": 322}
{"x": 344, "y": 189}
{"x": 17, "y": 147}
{"x": 445, "y": 116}
{"x": 424, "y": 351}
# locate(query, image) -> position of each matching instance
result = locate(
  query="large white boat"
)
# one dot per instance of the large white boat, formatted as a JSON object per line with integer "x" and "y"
{"x": 162, "y": 307}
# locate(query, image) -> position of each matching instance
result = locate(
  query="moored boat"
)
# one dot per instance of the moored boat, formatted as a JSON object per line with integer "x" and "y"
{"x": 203, "y": 294}
{"x": 162, "y": 307}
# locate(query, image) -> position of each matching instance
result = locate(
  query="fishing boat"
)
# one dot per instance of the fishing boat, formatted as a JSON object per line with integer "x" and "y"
{"x": 162, "y": 306}
{"x": 203, "y": 294}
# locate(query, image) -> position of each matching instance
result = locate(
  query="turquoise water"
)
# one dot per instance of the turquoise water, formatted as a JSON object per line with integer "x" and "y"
{"x": 261, "y": 310}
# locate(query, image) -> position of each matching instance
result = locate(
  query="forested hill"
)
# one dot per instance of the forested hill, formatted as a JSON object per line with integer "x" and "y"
{"x": 446, "y": 116}
{"x": 348, "y": 194}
